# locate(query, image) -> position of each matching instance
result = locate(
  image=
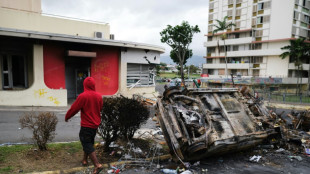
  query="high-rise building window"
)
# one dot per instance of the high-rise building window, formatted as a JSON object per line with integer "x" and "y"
{"x": 260, "y": 6}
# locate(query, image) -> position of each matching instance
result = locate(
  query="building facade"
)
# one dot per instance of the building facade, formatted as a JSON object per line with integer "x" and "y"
{"x": 44, "y": 59}
{"x": 254, "y": 44}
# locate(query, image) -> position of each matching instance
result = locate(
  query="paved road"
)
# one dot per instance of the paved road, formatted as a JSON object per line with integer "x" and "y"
{"x": 10, "y": 131}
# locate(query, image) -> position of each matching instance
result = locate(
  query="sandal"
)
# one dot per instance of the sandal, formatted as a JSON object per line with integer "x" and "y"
{"x": 98, "y": 170}
{"x": 84, "y": 163}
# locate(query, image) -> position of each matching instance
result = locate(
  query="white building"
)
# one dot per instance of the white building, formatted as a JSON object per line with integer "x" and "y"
{"x": 254, "y": 44}
{"x": 44, "y": 59}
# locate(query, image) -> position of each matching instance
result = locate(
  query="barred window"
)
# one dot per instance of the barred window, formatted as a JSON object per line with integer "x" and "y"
{"x": 140, "y": 74}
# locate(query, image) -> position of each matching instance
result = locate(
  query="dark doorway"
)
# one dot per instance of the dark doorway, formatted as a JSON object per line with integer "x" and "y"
{"x": 77, "y": 69}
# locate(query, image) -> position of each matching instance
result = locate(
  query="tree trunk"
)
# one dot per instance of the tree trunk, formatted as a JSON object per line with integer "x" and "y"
{"x": 182, "y": 73}
{"x": 309, "y": 77}
{"x": 225, "y": 50}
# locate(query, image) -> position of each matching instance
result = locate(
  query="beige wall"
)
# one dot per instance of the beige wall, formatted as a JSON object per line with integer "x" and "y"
{"x": 26, "y": 5}
{"x": 132, "y": 56}
{"x": 38, "y": 94}
{"x": 16, "y": 19}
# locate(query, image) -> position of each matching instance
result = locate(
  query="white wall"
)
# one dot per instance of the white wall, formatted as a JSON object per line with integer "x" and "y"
{"x": 281, "y": 19}
{"x": 136, "y": 56}
{"x": 27, "y": 5}
{"x": 277, "y": 67}
{"x": 38, "y": 94}
{"x": 23, "y": 20}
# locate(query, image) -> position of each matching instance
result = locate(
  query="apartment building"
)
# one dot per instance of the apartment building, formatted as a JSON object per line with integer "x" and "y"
{"x": 254, "y": 44}
{"x": 44, "y": 59}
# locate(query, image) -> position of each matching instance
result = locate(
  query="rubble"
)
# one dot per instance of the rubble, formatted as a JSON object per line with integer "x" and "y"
{"x": 202, "y": 122}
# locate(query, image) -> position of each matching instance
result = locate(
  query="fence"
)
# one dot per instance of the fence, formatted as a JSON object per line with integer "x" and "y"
{"x": 283, "y": 97}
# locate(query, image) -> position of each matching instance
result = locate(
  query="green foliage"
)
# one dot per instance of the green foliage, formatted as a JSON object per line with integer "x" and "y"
{"x": 222, "y": 26}
{"x": 179, "y": 38}
{"x": 121, "y": 117}
{"x": 70, "y": 147}
{"x": 6, "y": 150}
{"x": 7, "y": 169}
{"x": 42, "y": 125}
{"x": 297, "y": 50}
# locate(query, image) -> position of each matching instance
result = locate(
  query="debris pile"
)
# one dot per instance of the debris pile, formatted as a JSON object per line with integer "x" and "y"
{"x": 197, "y": 123}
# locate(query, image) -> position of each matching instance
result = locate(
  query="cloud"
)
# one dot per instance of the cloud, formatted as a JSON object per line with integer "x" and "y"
{"x": 137, "y": 20}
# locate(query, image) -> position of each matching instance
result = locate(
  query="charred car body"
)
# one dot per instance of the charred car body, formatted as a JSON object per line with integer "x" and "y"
{"x": 200, "y": 122}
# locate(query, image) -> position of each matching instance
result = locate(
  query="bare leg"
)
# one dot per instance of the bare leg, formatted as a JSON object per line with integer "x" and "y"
{"x": 97, "y": 165}
{"x": 84, "y": 161}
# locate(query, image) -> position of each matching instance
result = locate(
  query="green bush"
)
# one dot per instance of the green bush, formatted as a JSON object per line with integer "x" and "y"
{"x": 120, "y": 118}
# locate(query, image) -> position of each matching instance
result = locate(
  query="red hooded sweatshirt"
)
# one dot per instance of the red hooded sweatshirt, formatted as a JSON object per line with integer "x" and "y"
{"x": 90, "y": 103}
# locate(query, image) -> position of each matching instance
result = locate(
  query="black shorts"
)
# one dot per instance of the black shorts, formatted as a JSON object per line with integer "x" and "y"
{"x": 87, "y": 138}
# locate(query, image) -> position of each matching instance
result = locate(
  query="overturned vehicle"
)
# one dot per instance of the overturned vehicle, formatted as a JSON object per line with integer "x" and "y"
{"x": 197, "y": 123}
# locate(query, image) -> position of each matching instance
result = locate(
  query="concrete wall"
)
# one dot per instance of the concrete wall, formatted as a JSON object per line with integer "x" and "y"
{"x": 277, "y": 67}
{"x": 38, "y": 94}
{"x": 23, "y": 20}
{"x": 136, "y": 56}
{"x": 281, "y": 19}
{"x": 26, "y": 5}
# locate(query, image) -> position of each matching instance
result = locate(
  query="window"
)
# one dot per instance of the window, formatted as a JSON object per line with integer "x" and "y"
{"x": 229, "y": 13}
{"x": 238, "y": 24}
{"x": 255, "y": 72}
{"x": 259, "y": 20}
{"x": 257, "y": 59}
{"x": 296, "y": 15}
{"x": 230, "y": 2}
{"x": 258, "y": 46}
{"x": 14, "y": 72}
{"x": 140, "y": 74}
{"x": 258, "y": 33}
{"x": 209, "y": 61}
{"x": 222, "y": 60}
{"x": 260, "y": 6}
{"x": 235, "y": 47}
{"x": 211, "y": 50}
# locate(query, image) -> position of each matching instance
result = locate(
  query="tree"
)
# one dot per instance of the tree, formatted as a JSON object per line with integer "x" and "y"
{"x": 222, "y": 26}
{"x": 179, "y": 38}
{"x": 297, "y": 50}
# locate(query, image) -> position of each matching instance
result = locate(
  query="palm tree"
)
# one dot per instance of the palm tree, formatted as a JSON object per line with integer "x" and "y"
{"x": 222, "y": 26}
{"x": 297, "y": 50}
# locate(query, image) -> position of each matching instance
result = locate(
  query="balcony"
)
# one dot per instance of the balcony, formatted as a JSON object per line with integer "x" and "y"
{"x": 304, "y": 67}
{"x": 245, "y": 40}
{"x": 264, "y": 52}
{"x": 246, "y": 53}
{"x": 229, "y": 66}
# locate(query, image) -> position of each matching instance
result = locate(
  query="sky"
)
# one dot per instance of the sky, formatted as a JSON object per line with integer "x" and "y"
{"x": 138, "y": 20}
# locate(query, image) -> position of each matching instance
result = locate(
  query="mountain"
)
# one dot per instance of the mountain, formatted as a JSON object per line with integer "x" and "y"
{"x": 194, "y": 60}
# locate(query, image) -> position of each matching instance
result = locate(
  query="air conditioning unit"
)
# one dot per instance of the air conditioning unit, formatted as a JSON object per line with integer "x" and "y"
{"x": 98, "y": 35}
{"x": 112, "y": 36}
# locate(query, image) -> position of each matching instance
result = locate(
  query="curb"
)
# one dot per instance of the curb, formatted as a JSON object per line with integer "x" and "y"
{"x": 79, "y": 169}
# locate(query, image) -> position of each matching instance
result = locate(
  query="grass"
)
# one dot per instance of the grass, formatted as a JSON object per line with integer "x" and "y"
{"x": 175, "y": 75}
{"x": 59, "y": 156}
{"x": 27, "y": 158}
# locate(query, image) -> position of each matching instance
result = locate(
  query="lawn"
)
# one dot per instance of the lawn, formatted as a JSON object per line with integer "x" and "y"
{"x": 26, "y": 158}
{"x": 60, "y": 156}
{"x": 175, "y": 75}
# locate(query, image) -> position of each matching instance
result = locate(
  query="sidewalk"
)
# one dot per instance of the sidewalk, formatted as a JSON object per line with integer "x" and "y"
{"x": 35, "y": 108}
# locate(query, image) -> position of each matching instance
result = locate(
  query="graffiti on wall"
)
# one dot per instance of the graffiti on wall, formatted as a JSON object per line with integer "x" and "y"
{"x": 105, "y": 80}
{"x": 42, "y": 93}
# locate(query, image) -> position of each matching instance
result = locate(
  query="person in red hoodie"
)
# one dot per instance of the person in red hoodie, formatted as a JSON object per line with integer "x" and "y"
{"x": 90, "y": 104}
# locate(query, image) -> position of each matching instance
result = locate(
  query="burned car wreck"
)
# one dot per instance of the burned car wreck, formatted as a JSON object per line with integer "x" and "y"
{"x": 197, "y": 123}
